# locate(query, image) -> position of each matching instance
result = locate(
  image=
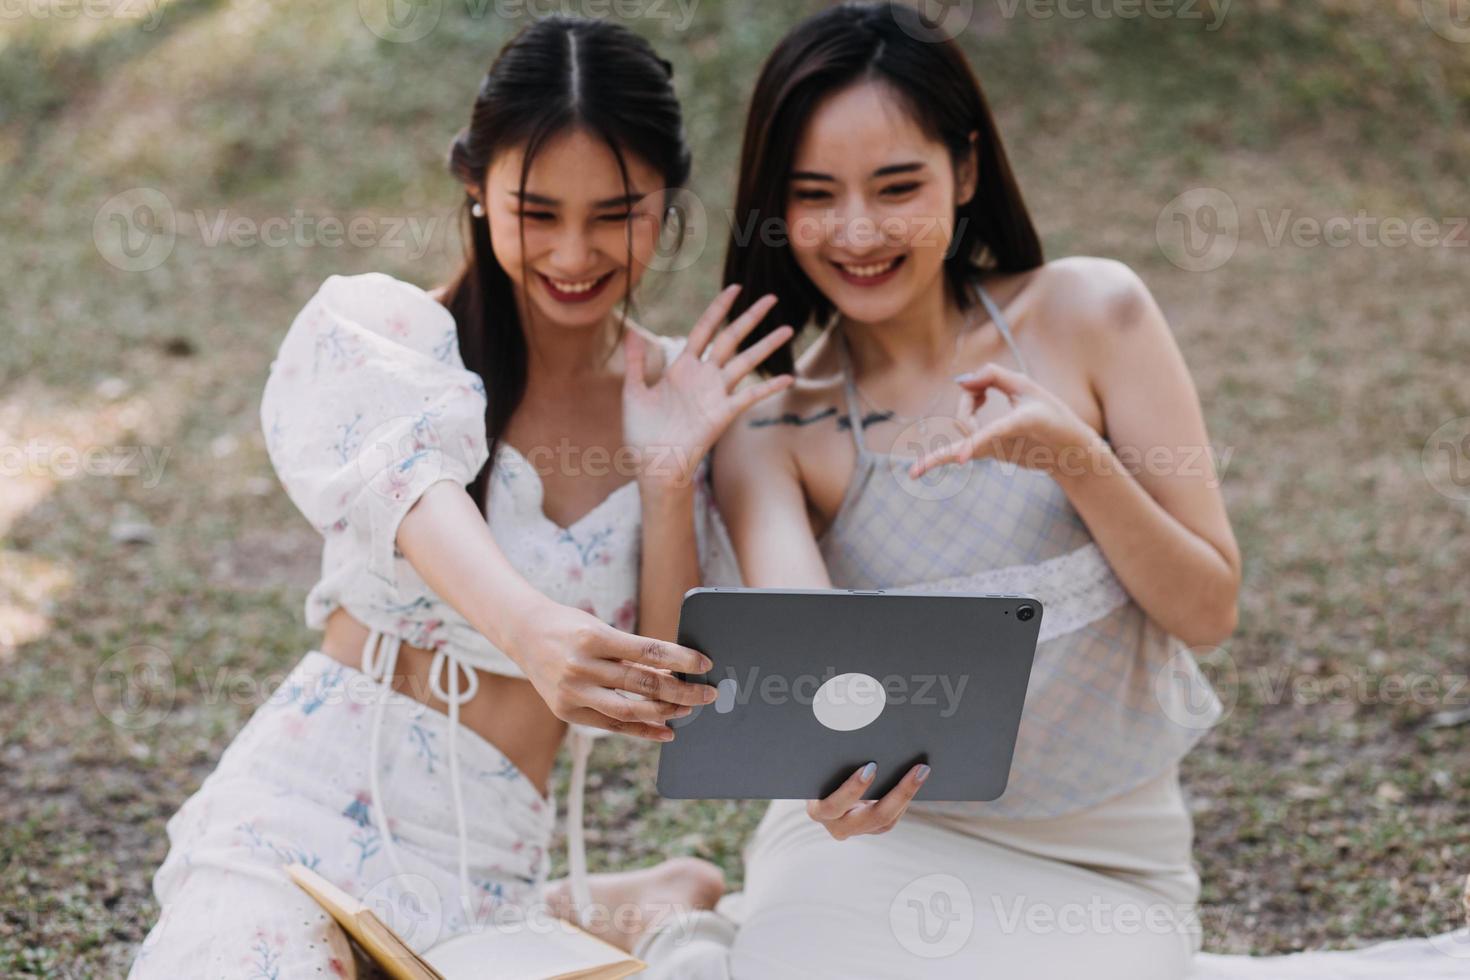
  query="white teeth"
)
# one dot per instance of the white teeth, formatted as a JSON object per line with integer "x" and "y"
{"x": 869, "y": 271}
{"x": 574, "y": 287}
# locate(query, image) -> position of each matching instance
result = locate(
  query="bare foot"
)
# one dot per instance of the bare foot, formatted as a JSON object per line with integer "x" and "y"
{"x": 626, "y": 904}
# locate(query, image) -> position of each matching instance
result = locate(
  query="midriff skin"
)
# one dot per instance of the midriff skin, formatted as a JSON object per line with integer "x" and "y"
{"x": 506, "y": 711}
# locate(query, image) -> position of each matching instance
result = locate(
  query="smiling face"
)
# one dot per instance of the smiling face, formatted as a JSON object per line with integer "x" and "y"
{"x": 572, "y": 260}
{"x": 871, "y": 204}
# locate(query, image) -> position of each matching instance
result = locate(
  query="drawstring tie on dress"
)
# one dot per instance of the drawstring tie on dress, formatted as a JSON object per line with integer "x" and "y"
{"x": 379, "y": 662}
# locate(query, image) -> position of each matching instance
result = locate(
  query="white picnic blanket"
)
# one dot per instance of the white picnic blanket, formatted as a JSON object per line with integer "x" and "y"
{"x": 1443, "y": 956}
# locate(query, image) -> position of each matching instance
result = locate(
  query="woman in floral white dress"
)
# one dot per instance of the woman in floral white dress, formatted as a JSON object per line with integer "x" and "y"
{"x": 505, "y": 476}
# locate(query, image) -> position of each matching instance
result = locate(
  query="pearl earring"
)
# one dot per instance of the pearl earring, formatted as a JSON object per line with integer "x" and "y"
{"x": 478, "y": 210}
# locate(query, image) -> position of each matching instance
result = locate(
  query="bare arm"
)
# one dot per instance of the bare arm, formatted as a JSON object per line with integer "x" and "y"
{"x": 1149, "y": 494}
{"x": 670, "y": 565}
{"x": 1153, "y": 503}
{"x": 575, "y": 660}
{"x": 673, "y": 423}
{"x": 759, "y": 492}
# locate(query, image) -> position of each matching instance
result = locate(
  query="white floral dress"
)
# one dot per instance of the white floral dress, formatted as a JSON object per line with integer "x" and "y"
{"x": 367, "y": 405}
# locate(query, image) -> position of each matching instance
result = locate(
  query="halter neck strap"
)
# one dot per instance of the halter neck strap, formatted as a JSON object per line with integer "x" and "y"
{"x": 850, "y": 396}
{"x": 849, "y": 382}
{"x": 1004, "y": 327}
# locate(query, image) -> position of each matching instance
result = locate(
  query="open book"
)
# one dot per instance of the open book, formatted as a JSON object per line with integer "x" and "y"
{"x": 496, "y": 952}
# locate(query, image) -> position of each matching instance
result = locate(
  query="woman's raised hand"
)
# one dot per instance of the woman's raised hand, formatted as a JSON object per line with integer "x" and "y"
{"x": 674, "y": 422}
{"x": 1038, "y": 430}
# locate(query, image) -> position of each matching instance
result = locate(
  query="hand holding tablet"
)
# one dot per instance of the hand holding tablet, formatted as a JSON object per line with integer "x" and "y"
{"x": 814, "y": 685}
{"x": 846, "y": 814}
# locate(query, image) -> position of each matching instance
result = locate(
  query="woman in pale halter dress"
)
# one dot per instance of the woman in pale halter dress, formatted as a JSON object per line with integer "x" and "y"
{"x": 972, "y": 419}
{"x": 503, "y": 474}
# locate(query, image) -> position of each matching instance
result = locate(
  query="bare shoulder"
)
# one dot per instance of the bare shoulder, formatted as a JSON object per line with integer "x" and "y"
{"x": 815, "y": 395}
{"x": 1096, "y": 297}
{"x": 757, "y": 433}
{"x": 438, "y": 293}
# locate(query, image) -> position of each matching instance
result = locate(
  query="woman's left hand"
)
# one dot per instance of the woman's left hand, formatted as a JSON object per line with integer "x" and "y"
{"x": 844, "y": 813}
{"x": 1038, "y": 430}
{"x": 673, "y": 423}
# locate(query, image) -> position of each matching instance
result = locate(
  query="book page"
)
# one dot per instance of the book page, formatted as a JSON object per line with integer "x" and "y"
{"x": 549, "y": 950}
{"x": 517, "y": 952}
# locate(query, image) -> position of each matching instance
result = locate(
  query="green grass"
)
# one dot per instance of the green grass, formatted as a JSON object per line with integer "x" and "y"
{"x": 1323, "y": 369}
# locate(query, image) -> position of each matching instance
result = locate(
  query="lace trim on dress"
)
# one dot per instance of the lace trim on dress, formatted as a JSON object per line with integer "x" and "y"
{"x": 1075, "y": 589}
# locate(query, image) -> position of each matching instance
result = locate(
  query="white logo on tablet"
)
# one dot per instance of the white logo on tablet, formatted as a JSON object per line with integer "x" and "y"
{"x": 848, "y": 702}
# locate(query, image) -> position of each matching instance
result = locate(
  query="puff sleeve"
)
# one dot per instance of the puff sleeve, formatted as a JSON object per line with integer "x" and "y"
{"x": 367, "y": 405}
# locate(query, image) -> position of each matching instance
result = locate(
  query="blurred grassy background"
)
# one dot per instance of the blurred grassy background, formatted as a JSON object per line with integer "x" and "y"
{"x": 1323, "y": 370}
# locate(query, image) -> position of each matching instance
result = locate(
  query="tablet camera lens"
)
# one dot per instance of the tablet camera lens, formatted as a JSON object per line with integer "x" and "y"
{"x": 1026, "y": 613}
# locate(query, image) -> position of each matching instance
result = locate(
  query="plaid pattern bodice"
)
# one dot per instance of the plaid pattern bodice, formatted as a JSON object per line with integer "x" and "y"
{"x": 1113, "y": 700}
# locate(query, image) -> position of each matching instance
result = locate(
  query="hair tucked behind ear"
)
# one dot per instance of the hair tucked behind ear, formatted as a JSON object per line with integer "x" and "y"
{"x": 890, "y": 43}
{"x": 557, "y": 74}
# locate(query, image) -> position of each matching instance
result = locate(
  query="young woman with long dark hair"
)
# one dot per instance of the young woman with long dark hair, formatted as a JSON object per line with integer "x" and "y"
{"x": 505, "y": 474}
{"x": 958, "y": 425}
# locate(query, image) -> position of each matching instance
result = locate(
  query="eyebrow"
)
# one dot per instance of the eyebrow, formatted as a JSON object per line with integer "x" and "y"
{"x": 888, "y": 171}
{"x": 612, "y": 202}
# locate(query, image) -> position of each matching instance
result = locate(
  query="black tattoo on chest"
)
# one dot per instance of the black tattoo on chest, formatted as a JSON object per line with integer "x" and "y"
{"x": 791, "y": 418}
{"x": 872, "y": 418}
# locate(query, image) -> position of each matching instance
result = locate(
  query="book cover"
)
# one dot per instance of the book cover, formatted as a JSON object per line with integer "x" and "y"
{"x": 497, "y": 952}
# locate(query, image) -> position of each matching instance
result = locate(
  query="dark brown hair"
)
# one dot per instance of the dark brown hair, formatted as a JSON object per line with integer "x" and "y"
{"x": 844, "y": 45}
{"x": 556, "y": 74}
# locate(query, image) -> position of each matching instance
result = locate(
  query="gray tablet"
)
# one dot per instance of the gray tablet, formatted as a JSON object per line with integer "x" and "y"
{"x": 814, "y": 684}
